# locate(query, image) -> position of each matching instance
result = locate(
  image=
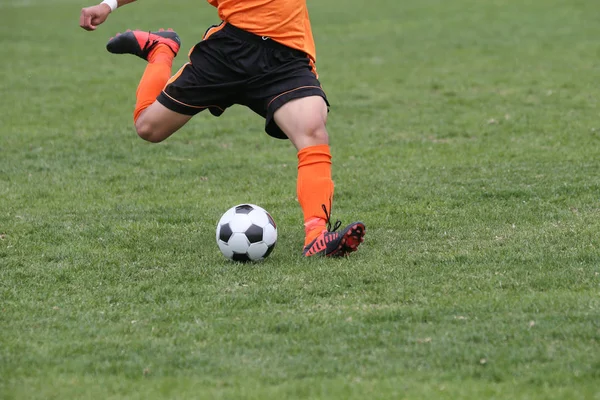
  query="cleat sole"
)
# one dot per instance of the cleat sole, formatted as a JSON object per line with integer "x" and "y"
{"x": 350, "y": 241}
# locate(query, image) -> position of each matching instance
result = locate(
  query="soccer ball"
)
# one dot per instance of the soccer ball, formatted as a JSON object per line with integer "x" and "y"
{"x": 246, "y": 232}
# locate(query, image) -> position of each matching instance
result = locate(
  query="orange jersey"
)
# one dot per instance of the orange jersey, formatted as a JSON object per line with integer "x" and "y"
{"x": 285, "y": 21}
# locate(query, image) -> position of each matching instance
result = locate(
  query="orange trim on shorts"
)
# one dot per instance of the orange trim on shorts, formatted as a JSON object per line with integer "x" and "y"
{"x": 214, "y": 30}
{"x": 313, "y": 67}
{"x": 293, "y": 90}
{"x": 189, "y": 105}
{"x": 177, "y": 74}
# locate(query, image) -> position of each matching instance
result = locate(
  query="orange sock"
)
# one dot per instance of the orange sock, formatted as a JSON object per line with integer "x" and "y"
{"x": 155, "y": 77}
{"x": 315, "y": 188}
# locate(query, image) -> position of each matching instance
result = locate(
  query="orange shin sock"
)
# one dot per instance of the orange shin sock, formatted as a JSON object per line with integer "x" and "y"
{"x": 315, "y": 188}
{"x": 155, "y": 77}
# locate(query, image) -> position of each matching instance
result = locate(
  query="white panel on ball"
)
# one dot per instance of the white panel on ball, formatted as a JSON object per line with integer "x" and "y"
{"x": 259, "y": 217}
{"x": 257, "y": 250}
{"x": 227, "y": 216}
{"x": 269, "y": 234}
{"x": 225, "y": 249}
{"x": 238, "y": 242}
{"x": 240, "y": 222}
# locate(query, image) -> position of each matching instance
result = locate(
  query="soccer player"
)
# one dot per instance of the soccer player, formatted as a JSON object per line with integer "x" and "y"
{"x": 262, "y": 55}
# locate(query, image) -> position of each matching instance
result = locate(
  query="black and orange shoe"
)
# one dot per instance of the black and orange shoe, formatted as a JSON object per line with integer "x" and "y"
{"x": 141, "y": 43}
{"x": 336, "y": 244}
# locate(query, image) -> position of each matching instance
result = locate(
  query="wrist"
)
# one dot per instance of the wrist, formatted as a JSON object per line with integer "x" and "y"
{"x": 112, "y": 4}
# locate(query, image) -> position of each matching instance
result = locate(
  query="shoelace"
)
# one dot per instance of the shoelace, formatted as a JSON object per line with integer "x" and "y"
{"x": 337, "y": 224}
{"x": 149, "y": 42}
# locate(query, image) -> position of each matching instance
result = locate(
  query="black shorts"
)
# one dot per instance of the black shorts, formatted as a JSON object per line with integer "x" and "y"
{"x": 231, "y": 66}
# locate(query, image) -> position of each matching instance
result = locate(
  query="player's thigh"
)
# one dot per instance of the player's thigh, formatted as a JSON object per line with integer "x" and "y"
{"x": 291, "y": 99}
{"x": 205, "y": 82}
{"x": 303, "y": 120}
{"x": 157, "y": 122}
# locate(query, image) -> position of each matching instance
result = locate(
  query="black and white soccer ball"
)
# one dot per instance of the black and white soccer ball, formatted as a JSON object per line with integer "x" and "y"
{"x": 246, "y": 232}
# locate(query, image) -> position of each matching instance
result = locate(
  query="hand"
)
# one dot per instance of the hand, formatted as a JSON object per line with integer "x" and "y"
{"x": 93, "y": 16}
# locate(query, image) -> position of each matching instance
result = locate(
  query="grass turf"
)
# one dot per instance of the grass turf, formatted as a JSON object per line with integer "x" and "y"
{"x": 465, "y": 135}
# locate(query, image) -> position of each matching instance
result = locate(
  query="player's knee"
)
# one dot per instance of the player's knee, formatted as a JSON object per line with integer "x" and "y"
{"x": 317, "y": 133}
{"x": 149, "y": 132}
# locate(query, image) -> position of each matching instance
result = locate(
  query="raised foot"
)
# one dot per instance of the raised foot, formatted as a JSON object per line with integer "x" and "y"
{"x": 141, "y": 43}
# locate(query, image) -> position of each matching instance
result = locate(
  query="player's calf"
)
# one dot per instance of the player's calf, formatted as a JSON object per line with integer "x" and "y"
{"x": 156, "y": 123}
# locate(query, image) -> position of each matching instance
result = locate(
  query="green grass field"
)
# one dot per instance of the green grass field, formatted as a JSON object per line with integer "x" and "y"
{"x": 465, "y": 135}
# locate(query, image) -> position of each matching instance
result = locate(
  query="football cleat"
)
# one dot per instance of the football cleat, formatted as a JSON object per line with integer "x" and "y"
{"x": 141, "y": 43}
{"x": 331, "y": 243}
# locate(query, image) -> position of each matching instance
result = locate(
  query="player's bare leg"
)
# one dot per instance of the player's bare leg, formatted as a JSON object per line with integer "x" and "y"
{"x": 153, "y": 121}
{"x": 303, "y": 120}
{"x": 157, "y": 122}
